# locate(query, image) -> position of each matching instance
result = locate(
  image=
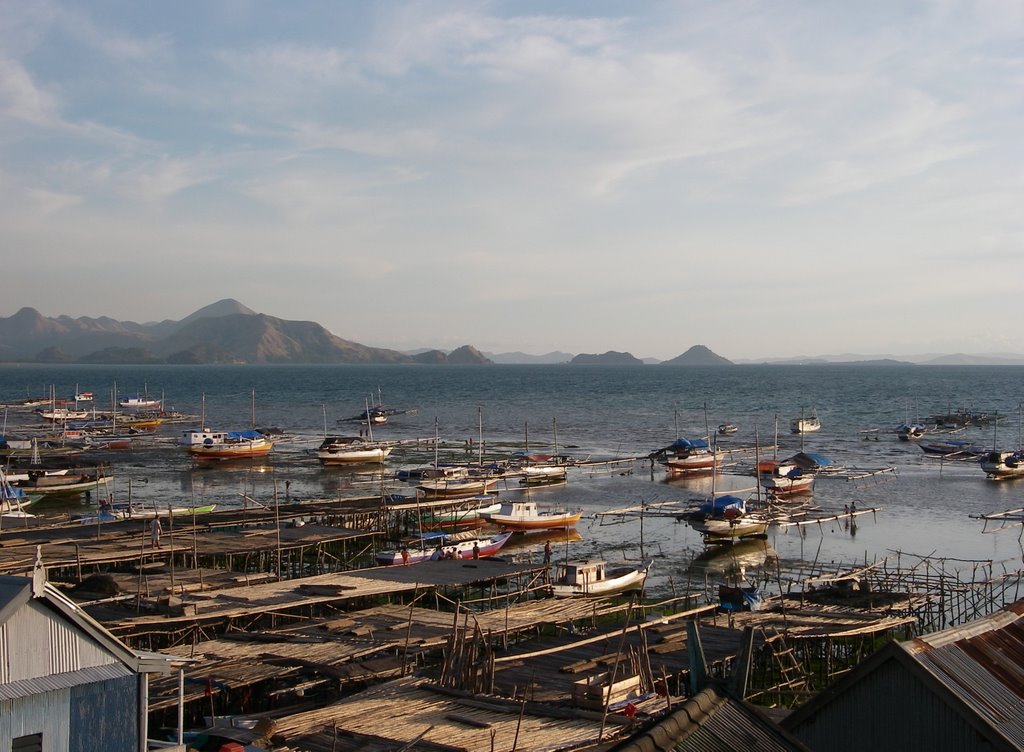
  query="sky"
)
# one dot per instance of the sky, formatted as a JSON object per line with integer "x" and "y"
{"x": 768, "y": 179}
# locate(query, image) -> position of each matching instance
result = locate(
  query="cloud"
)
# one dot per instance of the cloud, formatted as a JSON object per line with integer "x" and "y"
{"x": 22, "y": 100}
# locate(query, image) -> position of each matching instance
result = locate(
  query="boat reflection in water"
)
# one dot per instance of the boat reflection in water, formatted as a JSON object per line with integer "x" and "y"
{"x": 732, "y": 561}
{"x": 536, "y": 541}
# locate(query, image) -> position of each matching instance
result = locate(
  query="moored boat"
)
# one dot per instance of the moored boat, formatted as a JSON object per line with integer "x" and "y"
{"x": 804, "y": 424}
{"x": 1002, "y": 465}
{"x": 336, "y": 450}
{"x": 726, "y": 518}
{"x": 727, "y": 429}
{"x": 910, "y": 431}
{"x": 139, "y": 403}
{"x": 225, "y": 445}
{"x": 434, "y": 546}
{"x": 791, "y": 476}
{"x": 686, "y": 456}
{"x": 524, "y": 516}
{"x": 592, "y": 578}
{"x": 440, "y": 488}
{"x": 956, "y": 448}
{"x": 116, "y": 512}
{"x": 465, "y": 514}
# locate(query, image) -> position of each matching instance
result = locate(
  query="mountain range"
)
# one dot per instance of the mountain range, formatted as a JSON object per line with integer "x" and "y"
{"x": 223, "y": 332}
{"x": 229, "y": 332}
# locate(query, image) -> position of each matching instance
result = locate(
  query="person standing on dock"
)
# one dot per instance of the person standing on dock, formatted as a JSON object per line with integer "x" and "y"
{"x": 476, "y": 550}
{"x": 155, "y": 531}
{"x": 405, "y": 555}
{"x": 547, "y": 552}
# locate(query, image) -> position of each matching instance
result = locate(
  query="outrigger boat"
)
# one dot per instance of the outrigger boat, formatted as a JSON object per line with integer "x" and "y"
{"x": 434, "y": 546}
{"x": 592, "y": 578}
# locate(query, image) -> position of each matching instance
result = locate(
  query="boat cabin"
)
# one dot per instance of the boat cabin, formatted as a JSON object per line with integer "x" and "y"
{"x": 583, "y": 572}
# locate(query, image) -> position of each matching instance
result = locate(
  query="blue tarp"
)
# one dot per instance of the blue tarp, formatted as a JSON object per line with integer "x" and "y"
{"x": 242, "y": 435}
{"x": 689, "y": 444}
{"x": 718, "y": 506}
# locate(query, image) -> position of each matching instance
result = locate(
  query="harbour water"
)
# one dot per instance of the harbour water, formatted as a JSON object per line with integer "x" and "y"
{"x": 595, "y": 412}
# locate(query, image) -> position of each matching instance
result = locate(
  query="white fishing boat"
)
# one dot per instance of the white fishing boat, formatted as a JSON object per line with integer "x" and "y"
{"x": 338, "y": 450}
{"x": 592, "y": 578}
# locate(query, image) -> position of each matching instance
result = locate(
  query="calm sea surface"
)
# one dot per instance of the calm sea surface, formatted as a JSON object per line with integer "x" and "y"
{"x": 597, "y": 412}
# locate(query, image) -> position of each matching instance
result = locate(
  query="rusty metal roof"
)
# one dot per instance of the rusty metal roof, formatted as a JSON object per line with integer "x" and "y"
{"x": 982, "y": 664}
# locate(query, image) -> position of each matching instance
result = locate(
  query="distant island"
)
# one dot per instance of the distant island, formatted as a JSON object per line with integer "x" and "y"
{"x": 223, "y": 332}
{"x": 698, "y": 355}
{"x": 610, "y": 358}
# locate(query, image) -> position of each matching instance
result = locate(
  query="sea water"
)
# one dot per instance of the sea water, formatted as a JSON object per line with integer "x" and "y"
{"x": 595, "y": 412}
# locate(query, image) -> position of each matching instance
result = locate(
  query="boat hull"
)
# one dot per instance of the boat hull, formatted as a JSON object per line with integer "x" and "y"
{"x": 441, "y": 489}
{"x": 539, "y": 522}
{"x": 462, "y": 549}
{"x": 726, "y": 529}
{"x": 353, "y": 456}
{"x": 622, "y": 582}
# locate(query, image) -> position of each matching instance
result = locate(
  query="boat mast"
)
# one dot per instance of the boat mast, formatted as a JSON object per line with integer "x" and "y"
{"x": 369, "y": 423}
{"x": 254, "y": 408}
{"x": 480, "y": 433}
{"x": 554, "y": 434}
{"x": 325, "y": 419}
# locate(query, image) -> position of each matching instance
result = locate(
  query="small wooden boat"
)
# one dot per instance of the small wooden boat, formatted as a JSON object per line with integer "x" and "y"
{"x": 441, "y": 488}
{"x": 541, "y": 473}
{"x": 434, "y": 546}
{"x": 524, "y": 516}
{"x": 338, "y": 450}
{"x": 791, "y": 476}
{"x": 466, "y": 514}
{"x": 956, "y": 448}
{"x": 592, "y": 578}
{"x": 727, "y": 429}
{"x": 116, "y": 512}
{"x": 225, "y": 445}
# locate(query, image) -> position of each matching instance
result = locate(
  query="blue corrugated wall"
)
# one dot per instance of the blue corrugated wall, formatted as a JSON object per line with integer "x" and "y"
{"x": 105, "y": 716}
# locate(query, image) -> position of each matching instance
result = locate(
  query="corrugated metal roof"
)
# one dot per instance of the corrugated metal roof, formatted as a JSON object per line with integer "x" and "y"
{"x": 982, "y": 664}
{"x": 38, "y": 685}
{"x": 712, "y": 721}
